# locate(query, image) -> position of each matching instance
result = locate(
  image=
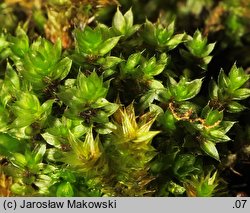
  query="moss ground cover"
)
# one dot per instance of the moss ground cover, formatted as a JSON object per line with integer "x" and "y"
{"x": 124, "y": 98}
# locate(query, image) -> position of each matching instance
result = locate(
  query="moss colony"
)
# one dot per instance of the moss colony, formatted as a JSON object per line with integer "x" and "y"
{"x": 128, "y": 98}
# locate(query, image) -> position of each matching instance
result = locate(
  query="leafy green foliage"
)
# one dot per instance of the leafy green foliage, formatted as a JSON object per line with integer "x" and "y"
{"x": 41, "y": 63}
{"x": 123, "y": 25}
{"x": 198, "y": 49}
{"x": 162, "y": 37}
{"x": 28, "y": 110}
{"x": 204, "y": 186}
{"x": 91, "y": 42}
{"x": 184, "y": 90}
{"x": 125, "y": 112}
{"x": 230, "y": 89}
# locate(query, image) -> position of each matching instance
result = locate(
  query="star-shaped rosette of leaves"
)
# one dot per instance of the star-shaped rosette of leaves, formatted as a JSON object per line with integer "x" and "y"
{"x": 41, "y": 63}
{"x": 28, "y": 111}
{"x": 230, "y": 89}
{"x": 85, "y": 100}
{"x": 198, "y": 50}
{"x": 93, "y": 43}
{"x": 162, "y": 37}
{"x": 130, "y": 150}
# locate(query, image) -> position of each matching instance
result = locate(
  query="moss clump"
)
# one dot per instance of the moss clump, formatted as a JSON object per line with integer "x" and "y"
{"x": 122, "y": 106}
